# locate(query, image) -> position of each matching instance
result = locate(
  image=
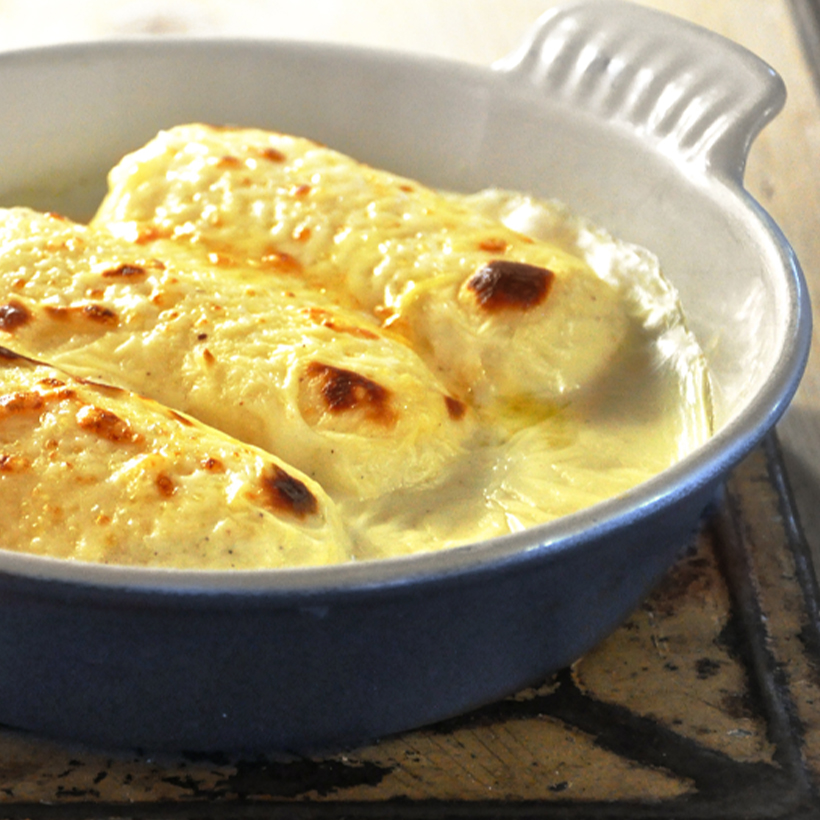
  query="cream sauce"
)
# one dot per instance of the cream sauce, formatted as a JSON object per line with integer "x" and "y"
{"x": 437, "y": 368}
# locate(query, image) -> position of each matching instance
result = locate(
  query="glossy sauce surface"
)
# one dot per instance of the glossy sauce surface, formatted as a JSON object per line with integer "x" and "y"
{"x": 425, "y": 369}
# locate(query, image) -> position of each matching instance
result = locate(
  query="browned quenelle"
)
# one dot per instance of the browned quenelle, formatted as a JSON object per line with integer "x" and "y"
{"x": 322, "y": 386}
{"x": 100, "y": 474}
{"x": 462, "y": 288}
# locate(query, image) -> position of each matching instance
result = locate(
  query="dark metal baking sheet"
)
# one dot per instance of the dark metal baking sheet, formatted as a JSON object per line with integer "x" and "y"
{"x": 704, "y": 704}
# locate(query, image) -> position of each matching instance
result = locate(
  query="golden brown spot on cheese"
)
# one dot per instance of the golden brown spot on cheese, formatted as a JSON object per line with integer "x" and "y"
{"x": 101, "y": 314}
{"x": 58, "y": 245}
{"x": 180, "y": 418}
{"x": 27, "y": 402}
{"x": 384, "y": 312}
{"x": 150, "y": 233}
{"x": 284, "y": 493}
{"x": 105, "y": 424}
{"x": 59, "y": 392}
{"x": 324, "y": 317}
{"x": 13, "y": 315}
{"x": 62, "y": 395}
{"x": 96, "y": 313}
{"x": 281, "y": 261}
{"x": 54, "y": 511}
{"x": 272, "y": 154}
{"x": 124, "y": 271}
{"x": 221, "y": 260}
{"x": 10, "y": 463}
{"x": 208, "y": 356}
{"x": 212, "y": 465}
{"x": 344, "y": 390}
{"x": 229, "y": 161}
{"x": 455, "y": 409}
{"x": 302, "y": 233}
{"x": 165, "y": 485}
{"x": 300, "y": 191}
{"x": 505, "y": 285}
{"x": 493, "y": 245}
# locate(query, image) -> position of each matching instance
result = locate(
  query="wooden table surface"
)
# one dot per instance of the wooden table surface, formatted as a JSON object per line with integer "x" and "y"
{"x": 781, "y": 172}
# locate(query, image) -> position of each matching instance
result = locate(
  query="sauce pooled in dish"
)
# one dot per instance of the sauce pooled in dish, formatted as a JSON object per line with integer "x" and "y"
{"x": 419, "y": 369}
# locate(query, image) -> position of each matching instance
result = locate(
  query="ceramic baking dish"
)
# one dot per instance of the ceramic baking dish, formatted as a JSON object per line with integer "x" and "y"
{"x": 635, "y": 119}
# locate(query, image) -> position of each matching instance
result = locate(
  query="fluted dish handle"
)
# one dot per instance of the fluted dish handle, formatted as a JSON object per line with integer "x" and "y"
{"x": 685, "y": 89}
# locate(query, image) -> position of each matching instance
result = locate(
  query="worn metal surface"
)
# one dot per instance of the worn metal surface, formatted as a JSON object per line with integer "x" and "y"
{"x": 705, "y": 703}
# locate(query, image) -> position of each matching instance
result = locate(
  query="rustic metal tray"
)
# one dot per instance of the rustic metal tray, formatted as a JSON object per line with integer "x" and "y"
{"x": 704, "y": 704}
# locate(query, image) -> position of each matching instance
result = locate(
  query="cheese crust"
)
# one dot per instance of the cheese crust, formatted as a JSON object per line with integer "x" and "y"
{"x": 92, "y": 472}
{"x": 323, "y": 387}
{"x": 462, "y": 288}
{"x": 263, "y": 353}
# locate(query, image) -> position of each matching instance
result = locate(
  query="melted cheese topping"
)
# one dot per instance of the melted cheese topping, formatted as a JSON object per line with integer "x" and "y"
{"x": 433, "y": 369}
{"x": 95, "y": 473}
{"x": 447, "y": 277}
{"x": 321, "y": 386}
